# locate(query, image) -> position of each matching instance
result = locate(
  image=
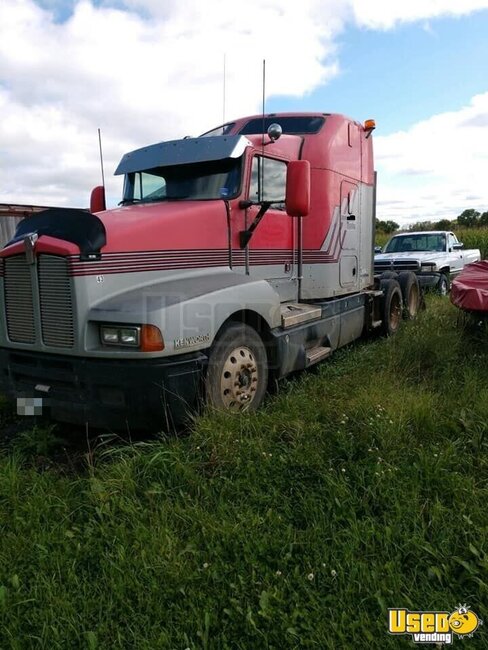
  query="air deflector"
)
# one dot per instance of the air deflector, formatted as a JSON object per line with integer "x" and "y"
{"x": 77, "y": 226}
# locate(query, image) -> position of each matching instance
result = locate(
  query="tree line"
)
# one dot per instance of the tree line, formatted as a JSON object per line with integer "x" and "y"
{"x": 470, "y": 218}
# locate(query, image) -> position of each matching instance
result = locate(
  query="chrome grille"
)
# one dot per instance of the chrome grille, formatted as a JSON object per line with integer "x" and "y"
{"x": 397, "y": 265}
{"x": 55, "y": 301}
{"x": 19, "y": 308}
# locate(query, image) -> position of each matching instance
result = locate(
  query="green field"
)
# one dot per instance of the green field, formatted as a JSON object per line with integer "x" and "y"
{"x": 360, "y": 486}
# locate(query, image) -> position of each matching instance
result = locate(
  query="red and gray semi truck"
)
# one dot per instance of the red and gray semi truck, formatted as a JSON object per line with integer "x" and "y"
{"x": 235, "y": 257}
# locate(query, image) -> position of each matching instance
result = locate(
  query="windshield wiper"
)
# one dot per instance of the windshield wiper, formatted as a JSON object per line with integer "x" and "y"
{"x": 165, "y": 198}
{"x": 154, "y": 200}
{"x": 126, "y": 201}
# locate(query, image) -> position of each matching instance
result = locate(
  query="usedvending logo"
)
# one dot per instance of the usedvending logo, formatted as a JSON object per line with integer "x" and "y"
{"x": 434, "y": 627}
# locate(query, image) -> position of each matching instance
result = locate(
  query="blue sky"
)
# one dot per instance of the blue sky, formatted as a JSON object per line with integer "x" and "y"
{"x": 404, "y": 75}
{"x": 150, "y": 70}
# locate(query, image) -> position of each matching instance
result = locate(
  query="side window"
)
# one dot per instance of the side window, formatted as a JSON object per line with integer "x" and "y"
{"x": 146, "y": 186}
{"x": 451, "y": 240}
{"x": 153, "y": 186}
{"x": 268, "y": 181}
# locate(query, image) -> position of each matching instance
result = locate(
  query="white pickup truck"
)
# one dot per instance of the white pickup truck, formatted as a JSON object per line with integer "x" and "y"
{"x": 435, "y": 257}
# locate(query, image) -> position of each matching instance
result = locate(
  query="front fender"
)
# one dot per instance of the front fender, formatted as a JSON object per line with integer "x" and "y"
{"x": 190, "y": 311}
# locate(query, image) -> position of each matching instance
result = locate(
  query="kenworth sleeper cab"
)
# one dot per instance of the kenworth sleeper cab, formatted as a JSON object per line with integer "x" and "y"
{"x": 235, "y": 256}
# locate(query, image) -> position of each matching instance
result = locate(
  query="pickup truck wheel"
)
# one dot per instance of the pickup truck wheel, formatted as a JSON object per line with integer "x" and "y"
{"x": 443, "y": 285}
{"x": 391, "y": 306}
{"x": 237, "y": 373}
{"x": 411, "y": 295}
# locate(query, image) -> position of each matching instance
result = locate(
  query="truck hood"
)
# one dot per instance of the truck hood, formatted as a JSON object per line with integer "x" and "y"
{"x": 418, "y": 256}
{"x": 162, "y": 226}
{"x": 166, "y": 225}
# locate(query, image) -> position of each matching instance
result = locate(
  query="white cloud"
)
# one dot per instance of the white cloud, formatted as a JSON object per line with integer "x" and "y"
{"x": 151, "y": 72}
{"x": 437, "y": 168}
{"x": 384, "y": 14}
{"x": 147, "y": 70}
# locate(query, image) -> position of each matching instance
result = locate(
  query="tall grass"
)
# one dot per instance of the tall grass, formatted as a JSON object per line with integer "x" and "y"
{"x": 360, "y": 486}
{"x": 475, "y": 238}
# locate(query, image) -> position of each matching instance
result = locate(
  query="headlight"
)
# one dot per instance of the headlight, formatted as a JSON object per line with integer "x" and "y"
{"x": 115, "y": 335}
{"x": 428, "y": 266}
{"x": 147, "y": 338}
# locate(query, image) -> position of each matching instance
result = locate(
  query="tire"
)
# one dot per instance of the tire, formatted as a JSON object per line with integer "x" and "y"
{"x": 443, "y": 286}
{"x": 237, "y": 373}
{"x": 391, "y": 306}
{"x": 411, "y": 294}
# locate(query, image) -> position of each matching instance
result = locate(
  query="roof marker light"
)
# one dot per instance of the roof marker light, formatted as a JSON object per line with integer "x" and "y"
{"x": 369, "y": 127}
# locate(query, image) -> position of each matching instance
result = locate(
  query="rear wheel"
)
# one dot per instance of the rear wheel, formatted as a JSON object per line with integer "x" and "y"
{"x": 411, "y": 295}
{"x": 237, "y": 373}
{"x": 391, "y": 307}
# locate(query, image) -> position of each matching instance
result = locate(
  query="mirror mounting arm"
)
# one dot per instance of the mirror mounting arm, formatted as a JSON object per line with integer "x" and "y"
{"x": 245, "y": 235}
{"x": 243, "y": 205}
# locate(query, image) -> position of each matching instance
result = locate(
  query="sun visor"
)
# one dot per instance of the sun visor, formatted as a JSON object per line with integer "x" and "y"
{"x": 77, "y": 226}
{"x": 183, "y": 152}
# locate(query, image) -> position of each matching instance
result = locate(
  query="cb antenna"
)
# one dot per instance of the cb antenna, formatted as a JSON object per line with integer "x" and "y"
{"x": 101, "y": 156}
{"x": 264, "y": 98}
{"x": 261, "y": 184}
{"x": 223, "y": 97}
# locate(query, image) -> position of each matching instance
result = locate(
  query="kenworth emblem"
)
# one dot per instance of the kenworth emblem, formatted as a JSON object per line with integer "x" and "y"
{"x": 30, "y": 246}
{"x": 190, "y": 341}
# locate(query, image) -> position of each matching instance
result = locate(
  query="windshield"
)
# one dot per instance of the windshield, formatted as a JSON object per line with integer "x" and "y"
{"x": 435, "y": 243}
{"x": 204, "y": 180}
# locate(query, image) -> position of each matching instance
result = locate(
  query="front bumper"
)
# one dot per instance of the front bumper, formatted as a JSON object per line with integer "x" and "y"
{"x": 139, "y": 394}
{"x": 428, "y": 279}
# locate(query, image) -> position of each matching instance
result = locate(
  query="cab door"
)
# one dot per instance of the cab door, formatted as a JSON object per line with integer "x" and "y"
{"x": 271, "y": 248}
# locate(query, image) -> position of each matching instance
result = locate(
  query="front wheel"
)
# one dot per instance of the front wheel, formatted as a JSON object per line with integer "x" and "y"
{"x": 443, "y": 285}
{"x": 237, "y": 373}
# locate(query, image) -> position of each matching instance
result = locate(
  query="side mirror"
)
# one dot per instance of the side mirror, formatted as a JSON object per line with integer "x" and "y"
{"x": 298, "y": 188}
{"x": 378, "y": 249}
{"x": 97, "y": 199}
{"x": 458, "y": 246}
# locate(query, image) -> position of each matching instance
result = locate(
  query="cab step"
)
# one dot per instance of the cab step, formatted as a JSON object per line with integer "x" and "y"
{"x": 314, "y": 355}
{"x": 295, "y": 313}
